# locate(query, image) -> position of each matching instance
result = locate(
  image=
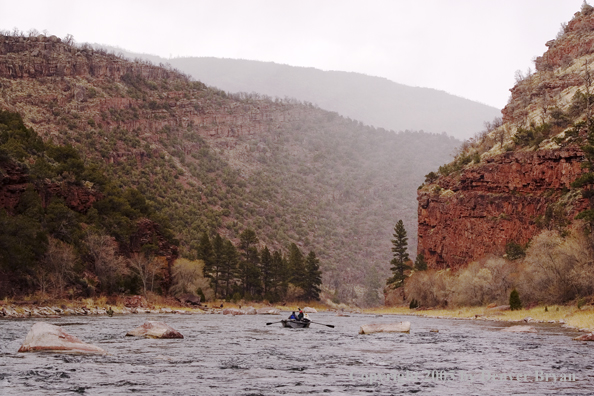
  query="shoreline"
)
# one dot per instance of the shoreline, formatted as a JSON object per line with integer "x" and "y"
{"x": 54, "y": 309}
{"x": 569, "y": 317}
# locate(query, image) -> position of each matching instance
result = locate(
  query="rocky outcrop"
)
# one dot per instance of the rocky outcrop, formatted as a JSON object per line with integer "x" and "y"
{"x": 526, "y": 162}
{"x": 400, "y": 327}
{"x": 152, "y": 329}
{"x": 15, "y": 180}
{"x": 485, "y": 206}
{"x": 45, "y": 337}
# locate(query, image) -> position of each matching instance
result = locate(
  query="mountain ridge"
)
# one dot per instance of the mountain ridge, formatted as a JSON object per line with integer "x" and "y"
{"x": 373, "y": 100}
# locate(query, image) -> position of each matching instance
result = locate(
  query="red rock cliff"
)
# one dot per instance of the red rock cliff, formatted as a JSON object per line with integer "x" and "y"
{"x": 490, "y": 204}
{"x": 515, "y": 178}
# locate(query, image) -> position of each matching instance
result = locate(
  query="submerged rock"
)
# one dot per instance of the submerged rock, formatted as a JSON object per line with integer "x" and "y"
{"x": 45, "y": 337}
{"x": 152, "y": 329}
{"x": 233, "y": 311}
{"x": 585, "y": 337}
{"x": 249, "y": 310}
{"x": 519, "y": 329}
{"x": 268, "y": 311}
{"x": 400, "y": 327}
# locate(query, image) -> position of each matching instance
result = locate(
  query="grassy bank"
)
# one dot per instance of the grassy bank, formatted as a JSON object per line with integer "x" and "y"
{"x": 570, "y": 315}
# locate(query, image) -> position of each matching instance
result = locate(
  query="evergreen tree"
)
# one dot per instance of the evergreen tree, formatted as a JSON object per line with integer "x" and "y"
{"x": 281, "y": 275}
{"x": 514, "y": 301}
{"x": 420, "y": 263}
{"x": 313, "y": 277}
{"x": 229, "y": 260}
{"x": 400, "y": 259}
{"x": 266, "y": 270}
{"x": 249, "y": 271}
{"x": 296, "y": 266}
{"x": 216, "y": 264}
{"x": 206, "y": 254}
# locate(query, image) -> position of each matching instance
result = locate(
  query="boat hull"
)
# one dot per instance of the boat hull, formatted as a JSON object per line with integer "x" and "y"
{"x": 295, "y": 324}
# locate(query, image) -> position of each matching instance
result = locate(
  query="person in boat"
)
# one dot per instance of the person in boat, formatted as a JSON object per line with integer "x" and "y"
{"x": 300, "y": 316}
{"x": 293, "y": 316}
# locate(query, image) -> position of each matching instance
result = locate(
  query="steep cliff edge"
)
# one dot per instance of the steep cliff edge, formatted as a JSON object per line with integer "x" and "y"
{"x": 514, "y": 179}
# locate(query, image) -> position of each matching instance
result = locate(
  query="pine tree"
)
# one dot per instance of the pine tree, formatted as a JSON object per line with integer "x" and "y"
{"x": 281, "y": 275}
{"x": 296, "y": 266}
{"x": 217, "y": 264}
{"x": 514, "y": 301}
{"x": 313, "y": 277}
{"x": 420, "y": 263}
{"x": 249, "y": 272}
{"x": 266, "y": 270}
{"x": 229, "y": 260}
{"x": 205, "y": 253}
{"x": 400, "y": 259}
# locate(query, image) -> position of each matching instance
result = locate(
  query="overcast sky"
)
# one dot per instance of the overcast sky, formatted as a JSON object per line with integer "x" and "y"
{"x": 469, "y": 48}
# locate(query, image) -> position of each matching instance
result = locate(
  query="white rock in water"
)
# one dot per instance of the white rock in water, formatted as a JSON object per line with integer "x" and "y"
{"x": 585, "y": 337}
{"x": 249, "y": 310}
{"x": 233, "y": 311}
{"x": 400, "y": 327}
{"x": 152, "y": 329}
{"x": 519, "y": 329}
{"x": 45, "y": 337}
{"x": 268, "y": 311}
{"x": 309, "y": 310}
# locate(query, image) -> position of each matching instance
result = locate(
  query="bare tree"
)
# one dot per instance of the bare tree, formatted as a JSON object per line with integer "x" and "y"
{"x": 109, "y": 265}
{"x": 59, "y": 260}
{"x": 146, "y": 268}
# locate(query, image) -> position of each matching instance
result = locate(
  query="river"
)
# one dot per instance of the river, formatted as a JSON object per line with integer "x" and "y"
{"x": 241, "y": 355}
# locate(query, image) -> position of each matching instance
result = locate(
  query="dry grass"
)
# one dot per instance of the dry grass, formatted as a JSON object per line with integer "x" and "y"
{"x": 574, "y": 317}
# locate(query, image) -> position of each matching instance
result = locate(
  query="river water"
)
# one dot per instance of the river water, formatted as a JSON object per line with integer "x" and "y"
{"x": 241, "y": 355}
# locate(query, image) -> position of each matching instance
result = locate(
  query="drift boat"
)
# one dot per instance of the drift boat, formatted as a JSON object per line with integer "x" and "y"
{"x": 296, "y": 324}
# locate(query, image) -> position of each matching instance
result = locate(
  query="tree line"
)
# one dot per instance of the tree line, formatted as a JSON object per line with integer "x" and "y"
{"x": 246, "y": 272}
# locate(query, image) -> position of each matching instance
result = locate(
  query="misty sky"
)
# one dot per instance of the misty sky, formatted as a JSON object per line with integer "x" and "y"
{"x": 469, "y": 48}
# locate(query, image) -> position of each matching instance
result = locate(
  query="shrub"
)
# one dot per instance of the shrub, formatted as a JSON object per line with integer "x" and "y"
{"x": 188, "y": 278}
{"x": 514, "y": 301}
{"x": 514, "y": 250}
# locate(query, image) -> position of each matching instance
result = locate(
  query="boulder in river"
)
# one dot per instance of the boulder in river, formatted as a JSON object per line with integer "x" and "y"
{"x": 585, "y": 337}
{"x": 399, "y": 327}
{"x": 519, "y": 329}
{"x": 233, "y": 311}
{"x": 268, "y": 311}
{"x": 152, "y": 329}
{"x": 249, "y": 310}
{"x": 45, "y": 337}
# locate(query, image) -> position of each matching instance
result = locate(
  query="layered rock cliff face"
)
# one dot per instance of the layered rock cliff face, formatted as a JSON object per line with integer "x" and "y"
{"x": 14, "y": 181}
{"x": 500, "y": 201}
{"x": 510, "y": 182}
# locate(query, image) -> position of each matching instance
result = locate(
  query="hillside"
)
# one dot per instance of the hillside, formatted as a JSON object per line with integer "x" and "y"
{"x": 525, "y": 175}
{"x": 209, "y": 161}
{"x": 375, "y": 101}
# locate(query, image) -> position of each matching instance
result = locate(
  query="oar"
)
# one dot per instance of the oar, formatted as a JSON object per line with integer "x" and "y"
{"x": 331, "y": 326}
